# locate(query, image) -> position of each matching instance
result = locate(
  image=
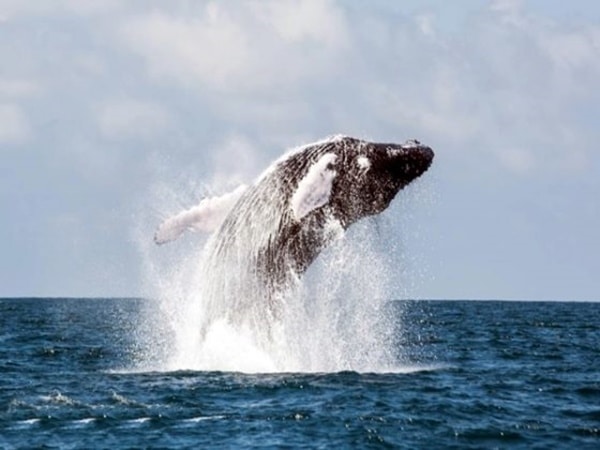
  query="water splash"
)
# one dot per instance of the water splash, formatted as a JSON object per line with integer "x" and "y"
{"x": 335, "y": 319}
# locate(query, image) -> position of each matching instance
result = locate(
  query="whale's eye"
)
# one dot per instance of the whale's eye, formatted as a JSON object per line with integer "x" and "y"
{"x": 363, "y": 163}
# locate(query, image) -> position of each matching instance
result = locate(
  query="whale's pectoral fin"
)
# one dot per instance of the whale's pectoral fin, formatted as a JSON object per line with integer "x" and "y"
{"x": 314, "y": 189}
{"x": 206, "y": 216}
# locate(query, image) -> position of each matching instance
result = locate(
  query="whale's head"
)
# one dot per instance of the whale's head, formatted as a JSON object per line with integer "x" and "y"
{"x": 368, "y": 175}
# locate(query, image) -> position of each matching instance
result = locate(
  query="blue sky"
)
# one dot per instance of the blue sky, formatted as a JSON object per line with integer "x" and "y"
{"x": 115, "y": 114}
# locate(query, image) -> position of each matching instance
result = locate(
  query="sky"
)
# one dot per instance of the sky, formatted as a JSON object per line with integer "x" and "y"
{"x": 116, "y": 114}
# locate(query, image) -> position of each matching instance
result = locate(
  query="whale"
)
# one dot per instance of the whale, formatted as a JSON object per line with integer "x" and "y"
{"x": 265, "y": 235}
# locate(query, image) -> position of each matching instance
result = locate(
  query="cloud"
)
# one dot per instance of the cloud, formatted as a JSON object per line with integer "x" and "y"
{"x": 14, "y": 125}
{"x": 511, "y": 87}
{"x": 239, "y": 47}
{"x": 129, "y": 118}
{"x": 508, "y": 77}
{"x": 304, "y": 20}
{"x": 545, "y": 77}
{"x": 207, "y": 49}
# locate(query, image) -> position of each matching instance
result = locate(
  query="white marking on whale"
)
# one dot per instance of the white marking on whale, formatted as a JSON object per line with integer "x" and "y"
{"x": 315, "y": 188}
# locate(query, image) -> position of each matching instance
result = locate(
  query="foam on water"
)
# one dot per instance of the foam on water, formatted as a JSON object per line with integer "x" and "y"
{"x": 194, "y": 420}
{"x": 58, "y": 398}
{"x": 83, "y": 422}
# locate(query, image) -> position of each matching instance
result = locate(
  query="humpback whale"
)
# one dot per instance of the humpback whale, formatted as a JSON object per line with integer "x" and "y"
{"x": 267, "y": 234}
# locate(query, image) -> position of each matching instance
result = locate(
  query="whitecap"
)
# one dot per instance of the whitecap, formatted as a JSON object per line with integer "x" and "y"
{"x": 85, "y": 421}
{"x": 203, "y": 418}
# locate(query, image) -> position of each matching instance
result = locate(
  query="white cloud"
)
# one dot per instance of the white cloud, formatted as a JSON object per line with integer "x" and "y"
{"x": 509, "y": 77}
{"x": 207, "y": 49}
{"x": 297, "y": 21}
{"x": 128, "y": 118}
{"x": 236, "y": 47}
{"x": 14, "y": 125}
{"x": 509, "y": 81}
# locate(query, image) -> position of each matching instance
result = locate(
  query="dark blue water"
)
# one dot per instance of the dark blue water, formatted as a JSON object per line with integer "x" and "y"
{"x": 494, "y": 375}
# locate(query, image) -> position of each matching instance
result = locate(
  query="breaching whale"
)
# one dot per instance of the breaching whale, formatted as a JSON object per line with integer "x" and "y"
{"x": 267, "y": 234}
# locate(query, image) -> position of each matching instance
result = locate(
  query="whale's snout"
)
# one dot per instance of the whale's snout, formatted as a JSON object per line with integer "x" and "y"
{"x": 426, "y": 154}
{"x": 422, "y": 158}
{"x": 407, "y": 161}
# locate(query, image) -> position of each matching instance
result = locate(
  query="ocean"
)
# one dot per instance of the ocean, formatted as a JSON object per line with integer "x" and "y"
{"x": 469, "y": 374}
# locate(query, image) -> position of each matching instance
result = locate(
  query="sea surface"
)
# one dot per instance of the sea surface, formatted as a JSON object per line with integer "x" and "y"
{"x": 476, "y": 374}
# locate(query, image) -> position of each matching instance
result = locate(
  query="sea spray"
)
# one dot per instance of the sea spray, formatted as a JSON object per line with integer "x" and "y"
{"x": 334, "y": 319}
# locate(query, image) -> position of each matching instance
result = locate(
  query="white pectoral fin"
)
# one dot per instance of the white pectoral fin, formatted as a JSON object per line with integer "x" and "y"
{"x": 314, "y": 189}
{"x": 206, "y": 216}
